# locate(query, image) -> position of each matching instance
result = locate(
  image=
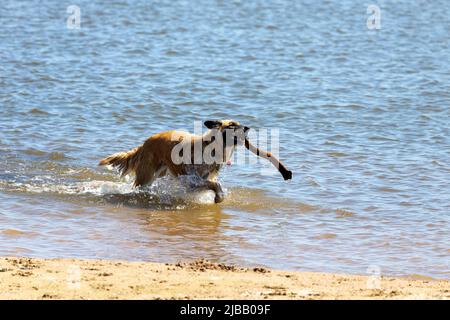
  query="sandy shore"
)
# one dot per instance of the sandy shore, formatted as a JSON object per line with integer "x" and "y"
{"x": 24, "y": 278}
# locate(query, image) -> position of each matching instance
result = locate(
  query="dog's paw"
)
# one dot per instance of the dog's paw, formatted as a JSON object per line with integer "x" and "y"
{"x": 220, "y": 196}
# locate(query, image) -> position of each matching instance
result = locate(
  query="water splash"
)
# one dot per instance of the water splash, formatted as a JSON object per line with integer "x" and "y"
{"x": 167, "y": 190}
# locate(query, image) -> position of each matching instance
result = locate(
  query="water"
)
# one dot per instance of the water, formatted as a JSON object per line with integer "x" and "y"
{"x": 363, "y": 118}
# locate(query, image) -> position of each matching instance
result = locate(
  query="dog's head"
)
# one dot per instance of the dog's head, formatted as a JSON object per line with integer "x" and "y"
{"x": 229, "y": 129}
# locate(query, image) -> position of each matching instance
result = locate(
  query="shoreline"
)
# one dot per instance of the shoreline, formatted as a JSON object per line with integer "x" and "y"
{"x": 34, "y": 278}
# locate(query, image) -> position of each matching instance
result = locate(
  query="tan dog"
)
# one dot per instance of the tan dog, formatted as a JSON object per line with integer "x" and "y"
{"x": 181, "y": 153}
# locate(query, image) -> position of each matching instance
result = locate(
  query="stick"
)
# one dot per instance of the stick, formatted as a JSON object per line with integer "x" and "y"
{"x": 287, "y": 174}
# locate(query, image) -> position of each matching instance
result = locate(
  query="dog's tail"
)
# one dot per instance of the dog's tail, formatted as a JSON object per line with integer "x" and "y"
{"x": 125, "y": 162}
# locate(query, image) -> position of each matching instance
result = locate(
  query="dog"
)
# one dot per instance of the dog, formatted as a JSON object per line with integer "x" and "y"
{"x": 180, "y": 153}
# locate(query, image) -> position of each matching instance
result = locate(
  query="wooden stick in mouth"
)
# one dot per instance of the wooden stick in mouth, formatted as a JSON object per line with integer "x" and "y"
{"x": 287, "y": 174}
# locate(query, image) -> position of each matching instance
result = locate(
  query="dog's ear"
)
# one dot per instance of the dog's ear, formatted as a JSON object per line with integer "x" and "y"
{"x": 213, "y": 124}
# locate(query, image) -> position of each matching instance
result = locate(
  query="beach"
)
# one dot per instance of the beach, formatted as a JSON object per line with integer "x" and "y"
{"x": 27, "y": 278}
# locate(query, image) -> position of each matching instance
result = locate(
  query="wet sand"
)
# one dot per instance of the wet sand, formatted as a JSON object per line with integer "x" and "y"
{"x": 25, "y": 278}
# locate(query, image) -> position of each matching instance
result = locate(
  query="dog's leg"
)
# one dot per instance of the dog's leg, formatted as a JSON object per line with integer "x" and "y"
{"x": 217, "y": 188}
{"x": 145, "y": 174}
{"x": 161, "y": 172}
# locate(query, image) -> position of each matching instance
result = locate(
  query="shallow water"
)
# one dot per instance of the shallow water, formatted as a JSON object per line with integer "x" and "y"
{"x": 363, "y": 118}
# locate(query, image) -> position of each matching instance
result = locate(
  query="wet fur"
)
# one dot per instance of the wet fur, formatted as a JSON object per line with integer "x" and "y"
{"x": 153, "y": 159}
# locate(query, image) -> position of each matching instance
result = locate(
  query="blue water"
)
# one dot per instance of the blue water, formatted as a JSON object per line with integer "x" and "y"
{"x": 363, "y": 117}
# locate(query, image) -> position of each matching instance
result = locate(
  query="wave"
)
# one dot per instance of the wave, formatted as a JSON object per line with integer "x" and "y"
{"x": 73, "y": 183}
{"x": 165, "y": 191}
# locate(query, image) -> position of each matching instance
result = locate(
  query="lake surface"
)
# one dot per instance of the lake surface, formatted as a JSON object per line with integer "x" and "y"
{"x": 363, "y": 118}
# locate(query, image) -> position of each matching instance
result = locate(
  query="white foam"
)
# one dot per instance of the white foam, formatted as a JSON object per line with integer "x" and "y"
{"x": 185, "y": 188}
{"x": 167, "y": 190}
